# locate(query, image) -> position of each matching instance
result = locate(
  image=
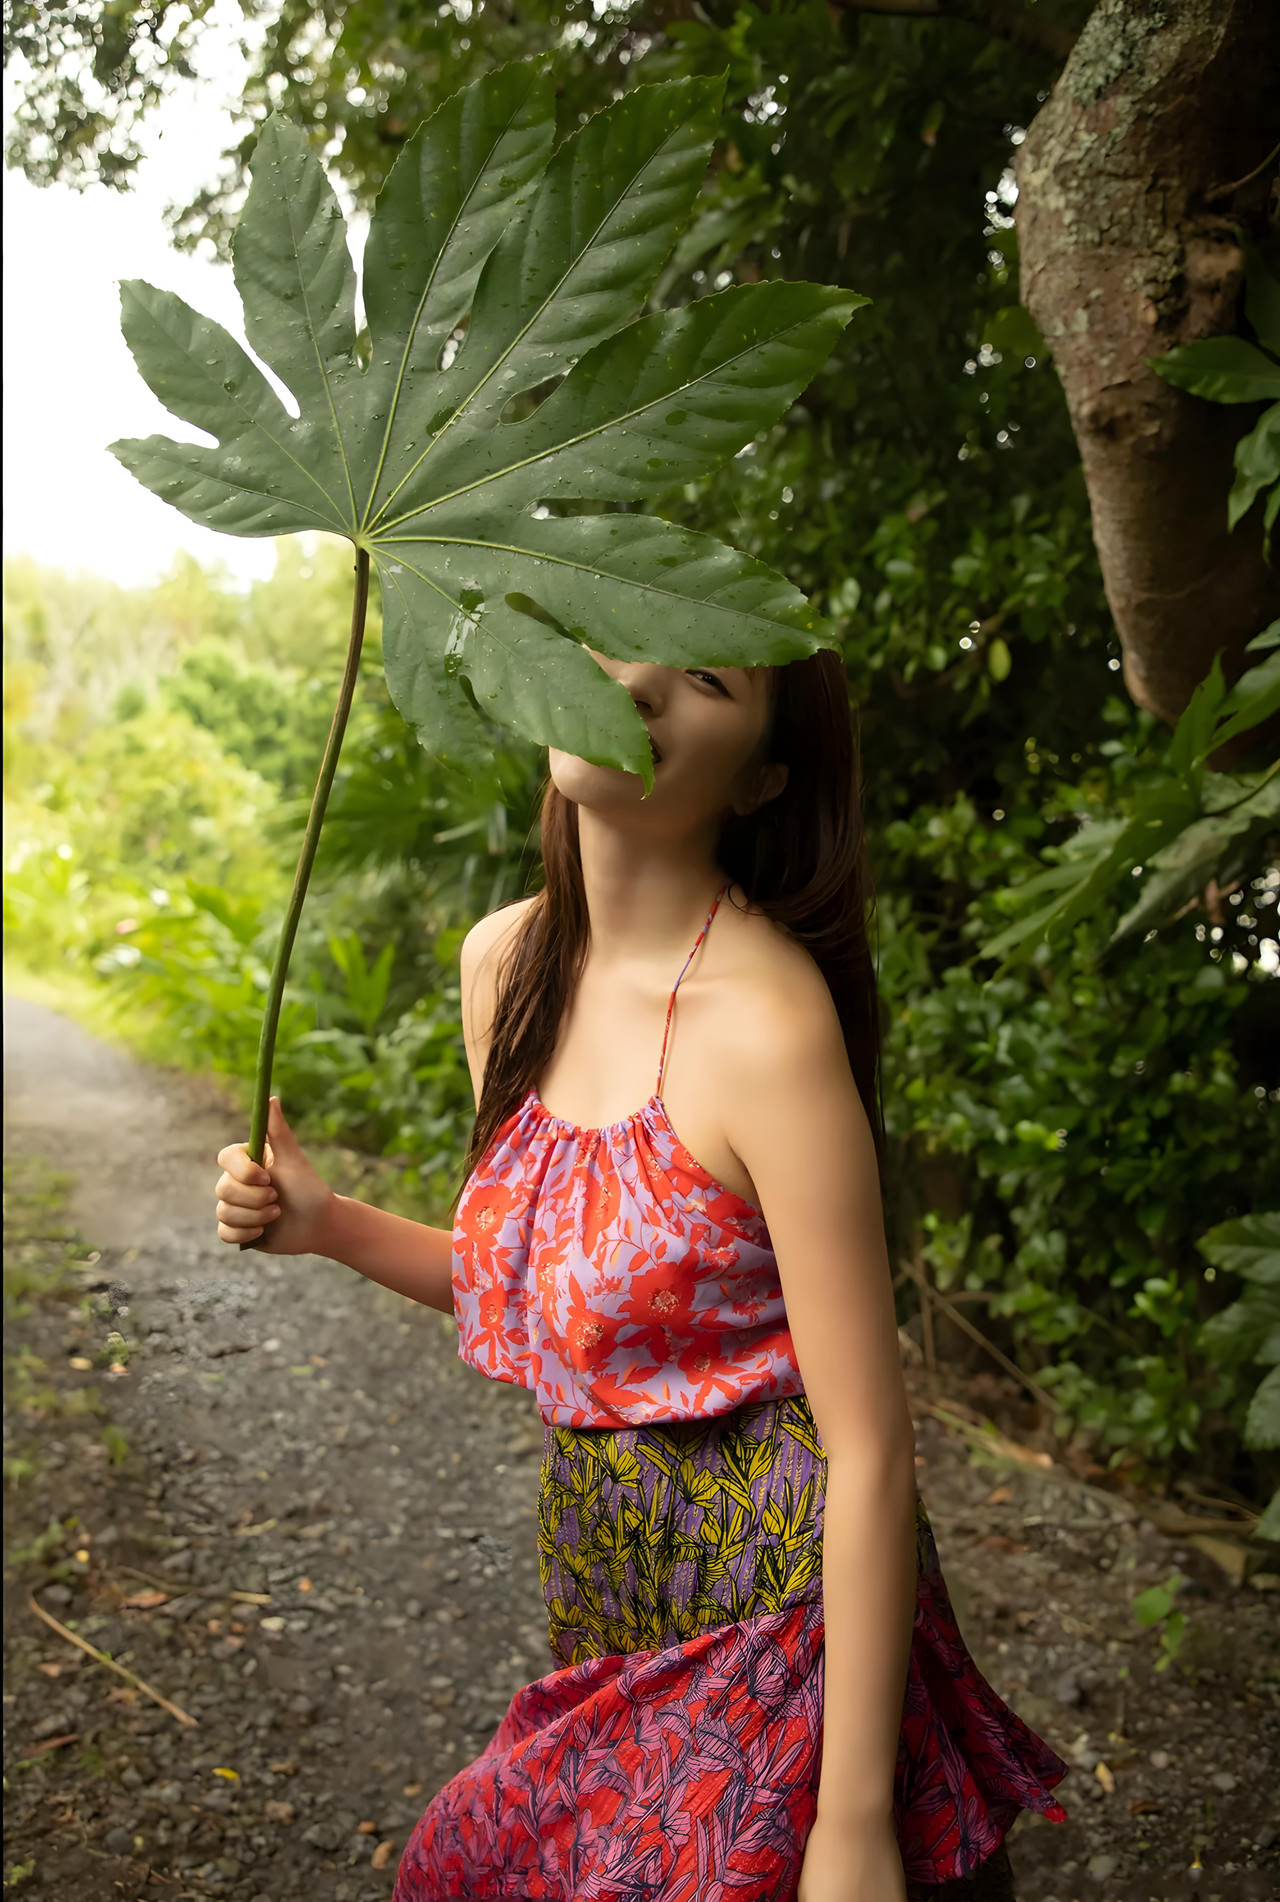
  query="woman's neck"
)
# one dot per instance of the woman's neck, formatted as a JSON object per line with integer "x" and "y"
{"x": 644, "y": 894}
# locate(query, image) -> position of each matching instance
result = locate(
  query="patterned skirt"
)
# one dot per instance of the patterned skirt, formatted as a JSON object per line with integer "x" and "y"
{"x": 675, "y": 1755}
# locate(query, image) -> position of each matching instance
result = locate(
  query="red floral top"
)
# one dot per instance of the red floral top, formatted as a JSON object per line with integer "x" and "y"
{"x": 608, "y": 1272}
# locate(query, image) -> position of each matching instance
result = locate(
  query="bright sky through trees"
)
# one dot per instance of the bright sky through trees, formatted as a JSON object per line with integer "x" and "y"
{"x": 70, "y": 384}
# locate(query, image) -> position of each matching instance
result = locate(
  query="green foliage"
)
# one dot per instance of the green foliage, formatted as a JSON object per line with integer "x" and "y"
{"x": 145, "y": 860}
{"x": 492, "y": 270}
{"x": 41, "y": 1245}
{"x": 1250, "y": 1328}
{"x": 1155, "y": 1606}
{"x": 1180, "y": 827}
{"x": 1233, "y": 370}
{"x": 925, "y": 491}
{"x": 1072, "y": 1126}
{"x": 349, "y": 1064}
{"x": 256, "y": 715}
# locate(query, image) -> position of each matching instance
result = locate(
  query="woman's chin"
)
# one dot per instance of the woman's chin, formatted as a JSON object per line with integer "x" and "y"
{"x": 598, "y": 788}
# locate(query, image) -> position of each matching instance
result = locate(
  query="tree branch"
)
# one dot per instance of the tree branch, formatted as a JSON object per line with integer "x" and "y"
{"x": 997, "y": 17}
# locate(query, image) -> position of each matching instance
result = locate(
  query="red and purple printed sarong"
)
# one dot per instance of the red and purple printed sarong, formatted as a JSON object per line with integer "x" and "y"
{"x": 675, "y": 1756}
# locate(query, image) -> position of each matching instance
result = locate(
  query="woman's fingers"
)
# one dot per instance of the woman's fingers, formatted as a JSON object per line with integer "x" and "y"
{"x": 244, "y": 1223}
{"x": 245, "y": 1195}
{"x": 236, "y": 1161}
{"x": 237, "y": 1235}
{"x": 238, "y": 1214}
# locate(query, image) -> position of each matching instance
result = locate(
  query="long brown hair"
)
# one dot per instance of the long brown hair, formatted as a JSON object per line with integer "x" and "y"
{"x": 800, "y": 859}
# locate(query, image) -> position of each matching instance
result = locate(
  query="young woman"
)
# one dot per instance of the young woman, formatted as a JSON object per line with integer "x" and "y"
{"x": 761, "y": 1692}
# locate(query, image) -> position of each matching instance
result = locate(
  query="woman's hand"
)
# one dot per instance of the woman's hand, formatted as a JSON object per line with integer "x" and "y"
{"x": 285, "y": 1202}
{"x": 852, "y": 1863}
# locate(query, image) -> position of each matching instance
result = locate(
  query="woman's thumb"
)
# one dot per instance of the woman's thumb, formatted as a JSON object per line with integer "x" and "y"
{"x": 278, "y": 1130}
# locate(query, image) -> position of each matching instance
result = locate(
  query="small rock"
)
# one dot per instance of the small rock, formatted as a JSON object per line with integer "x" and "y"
{"x": 119, "y": 1841}
{"x": 1266, "y": 1835}
{"x": 56, "y": 1595}
{"x": 1100, "y": 1866}
{"x": 1160, "y": 1759}
{"x": 1068, "y": 1689}
{"x": 1224, "y": 1781}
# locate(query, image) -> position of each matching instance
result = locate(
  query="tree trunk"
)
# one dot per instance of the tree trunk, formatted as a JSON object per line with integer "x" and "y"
{"x": 1152, "y": 148}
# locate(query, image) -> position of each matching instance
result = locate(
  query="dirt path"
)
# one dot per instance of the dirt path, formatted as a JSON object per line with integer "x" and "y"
{"x": 311, "y": 1443}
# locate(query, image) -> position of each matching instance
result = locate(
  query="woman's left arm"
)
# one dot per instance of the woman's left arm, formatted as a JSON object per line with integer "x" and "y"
{"x": 799, "y": 1127}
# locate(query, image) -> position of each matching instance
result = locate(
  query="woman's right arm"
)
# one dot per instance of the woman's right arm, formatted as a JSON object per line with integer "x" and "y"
{"x": 285, "y": 1208}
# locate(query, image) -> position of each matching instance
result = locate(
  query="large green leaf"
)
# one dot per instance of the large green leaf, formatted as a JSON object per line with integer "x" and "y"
{"x": 1261, "y": 300}
{"x": 508, "y": 384}
{"x": 1262, "y": 1422}
{"x": 1249, "y": 1246}
{"x": 1222, "y": 370}
{"x": 1257, "y": 461}
{"x": 1249, "y": 1329}
{"x": 1233, "y": 370}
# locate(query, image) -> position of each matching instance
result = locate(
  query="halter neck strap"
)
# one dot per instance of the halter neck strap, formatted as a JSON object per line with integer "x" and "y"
{"x": 671, "y": 1002}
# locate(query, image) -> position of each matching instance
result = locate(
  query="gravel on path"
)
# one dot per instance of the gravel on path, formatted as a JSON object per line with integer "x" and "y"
{"x": 270, "y": 1490}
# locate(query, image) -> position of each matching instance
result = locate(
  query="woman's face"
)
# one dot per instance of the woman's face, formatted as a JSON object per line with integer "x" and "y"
{"x": 707, "y": 727}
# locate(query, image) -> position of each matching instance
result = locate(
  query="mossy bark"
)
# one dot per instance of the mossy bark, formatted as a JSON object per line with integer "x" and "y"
{"x": 1133, "y": 181}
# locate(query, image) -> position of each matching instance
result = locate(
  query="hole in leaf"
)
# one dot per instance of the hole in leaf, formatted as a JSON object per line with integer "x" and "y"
{"x": 469, "y": 694}
{"x": 523, "y": 404}
{"x": 453, "y": 343}
{"x": 525, "y": 604}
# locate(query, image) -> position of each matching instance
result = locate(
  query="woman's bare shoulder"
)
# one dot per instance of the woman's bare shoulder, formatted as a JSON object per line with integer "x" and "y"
{"x": 490, "y": 936}
{"x": 773, "y": 996}
{"x": 480, "y": 965}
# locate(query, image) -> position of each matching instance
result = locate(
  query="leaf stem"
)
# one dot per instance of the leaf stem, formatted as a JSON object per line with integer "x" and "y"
{"x": 315, "y": 819}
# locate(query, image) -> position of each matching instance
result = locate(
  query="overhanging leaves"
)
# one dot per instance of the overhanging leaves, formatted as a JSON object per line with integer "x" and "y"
{"x": 495, "y": 272}
{"x": 1185, "y": 826}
